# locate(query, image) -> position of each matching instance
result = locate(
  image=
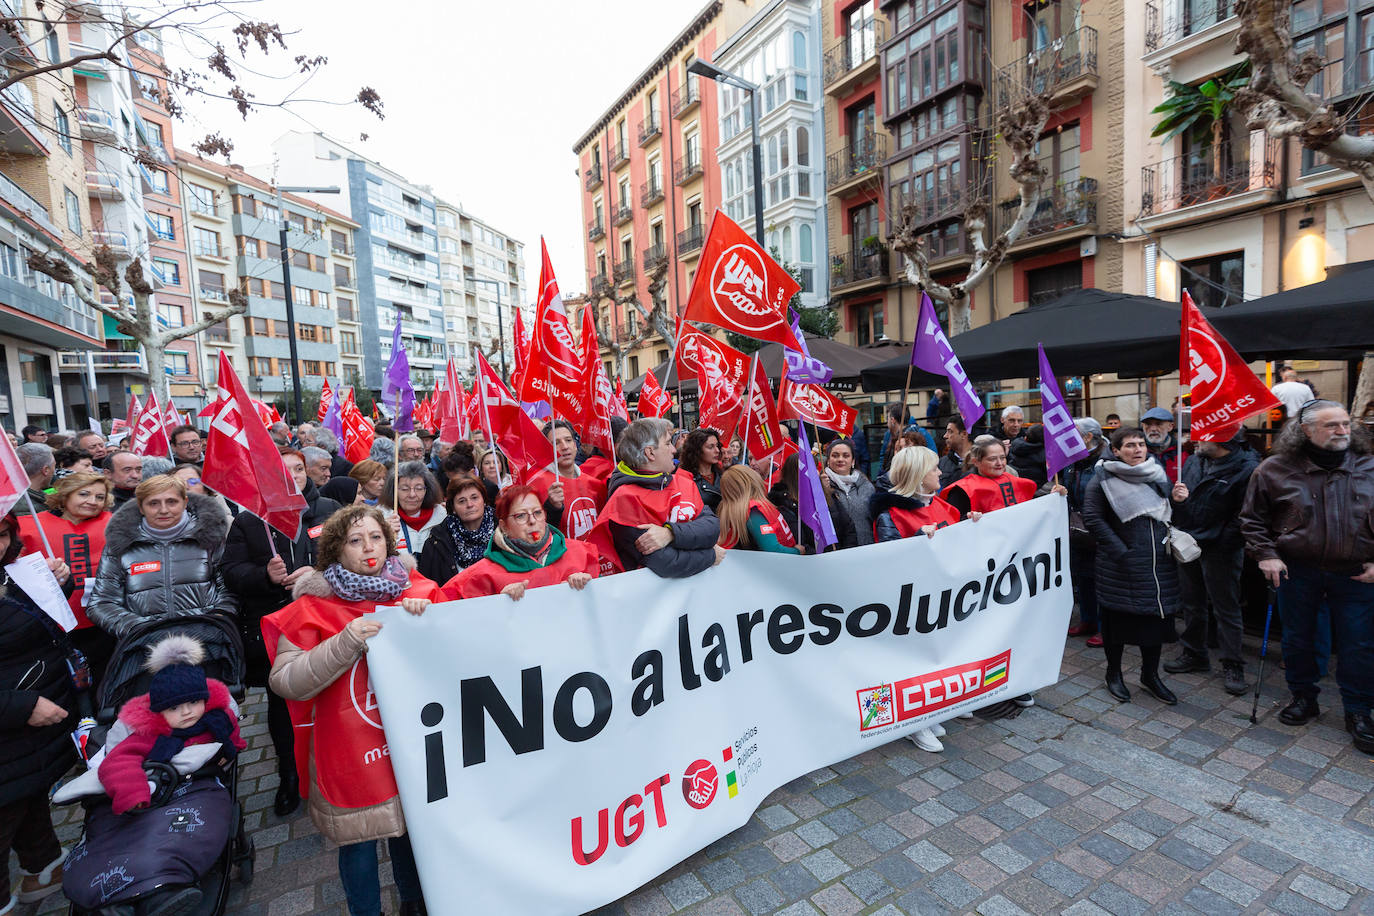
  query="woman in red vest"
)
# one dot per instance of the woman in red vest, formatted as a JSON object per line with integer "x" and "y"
{"x": 75, "y": 529}
{"x": 318, "y": 646}
{"x": 911, "y": 506}
{"x": 748, "y": 521}
{"x": 525, "y": 552}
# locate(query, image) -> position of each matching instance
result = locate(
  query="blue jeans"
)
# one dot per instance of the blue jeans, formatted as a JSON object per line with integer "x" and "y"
{"x": 1351, "y": 604}
{"x": 358, "y": 874}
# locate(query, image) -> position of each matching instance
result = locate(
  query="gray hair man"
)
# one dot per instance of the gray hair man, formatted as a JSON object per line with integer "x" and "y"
{"x": 1013, "y": 420}
{"x": 411, "y": 448}
{"x": 655, "y": 515}
{"x": 319, "y": 464}
{"x": 1308, "y": 521}
{"x": 305, "y": 434}
{"x": 40, "y": 464}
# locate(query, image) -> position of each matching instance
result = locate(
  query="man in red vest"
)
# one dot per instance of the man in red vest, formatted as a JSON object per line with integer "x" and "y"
{"x": 654, "y": 516}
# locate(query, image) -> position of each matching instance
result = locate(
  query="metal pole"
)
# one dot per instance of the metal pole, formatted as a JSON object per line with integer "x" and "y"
{"x": 501, "y": 330}
{"x": 758, "y": 165}
{"x": 290, "y": 312}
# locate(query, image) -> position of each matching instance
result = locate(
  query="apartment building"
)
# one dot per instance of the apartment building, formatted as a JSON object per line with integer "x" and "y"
{"x": 482, "y": 272}
{"x": 236, "y": 221}
{"x": 651, "y": 179}
{"x": 1226, "y": 212}
{"x": 397, "y": 250}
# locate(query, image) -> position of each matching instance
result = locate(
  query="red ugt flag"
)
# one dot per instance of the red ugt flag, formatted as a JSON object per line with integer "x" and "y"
{"x": 653, "y": 400}
{"x": 326, "y": 396}
{"x": 553, "y": 369}
{"x": 816, "y": 406}
{"x": 14, "y": 480}
{"x": 358, "y": 433}
{"x": 242, "y": 462}
{"x": 452, "y": 420}
{"x": 761, "y": 435}
{"x": 519, "y": 437}
{"x": 597, "y": 428}
{"x": 1225, "y": 391}
{"x": 740, "y": 288}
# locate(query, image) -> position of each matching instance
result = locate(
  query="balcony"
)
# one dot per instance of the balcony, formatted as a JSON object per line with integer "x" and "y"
{"x": 211, "y": 250}
{"x": 599, "y": 285}
{"x": 214, "y": 294}
{"x": 342, "y": 249}
{"x": 117, "y": 242}
{"x": 685, "y": 98}
{"x": 25, "y": 203}
{"x": 948, "y": 201}
{"x": 593, "y": 177}
{"x": 854, "y": 58}
{"x": 1236, "y": 176}
{"x": 687, "y": 167}
{"x": 649, "y": 128}
{"x": 105, "y": 185}
{"x": 620, "y": 155}
{"x": 1065, "y": 209}
{"x": 103, "y": 360}
{"x": 690, "y": 240}
{"x": 623, "y": 213}
{"x": 861, "y": 160}
{"x": 650, "y": 192}
{"x": 654, "y": 256}
{"x": 1065, "y": 70}
{"x": 96, "y": 124}
{"x": 596, "y": 230}
{"x": 623, "y": 273}
{"x": 863, "y": 268}
{"x": 1182, "y": 19}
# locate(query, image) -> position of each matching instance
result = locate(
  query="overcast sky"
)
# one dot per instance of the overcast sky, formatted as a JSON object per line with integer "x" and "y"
{"x": 483, "y": 101}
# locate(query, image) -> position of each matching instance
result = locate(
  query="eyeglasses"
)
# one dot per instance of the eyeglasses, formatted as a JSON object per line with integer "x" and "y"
{"x": 524, "y": 518}
{"x": 411, "y": 491}
{"x": 192, "y": 481}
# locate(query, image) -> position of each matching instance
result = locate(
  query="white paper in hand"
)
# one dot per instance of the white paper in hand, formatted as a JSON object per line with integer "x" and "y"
{"x": 30, "y": 572}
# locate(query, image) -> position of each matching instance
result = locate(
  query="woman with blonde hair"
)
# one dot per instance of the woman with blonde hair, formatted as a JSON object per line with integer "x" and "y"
{"x": 748, "y": 520}
{"x": 911, "y": 506}
{"x": 371, "y": 476}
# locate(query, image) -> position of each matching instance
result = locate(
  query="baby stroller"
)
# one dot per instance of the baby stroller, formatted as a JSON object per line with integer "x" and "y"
{"x": 192, "y": 835}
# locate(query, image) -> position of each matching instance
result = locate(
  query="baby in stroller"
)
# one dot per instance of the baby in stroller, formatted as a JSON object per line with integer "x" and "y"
{"x": 182, "y": 707}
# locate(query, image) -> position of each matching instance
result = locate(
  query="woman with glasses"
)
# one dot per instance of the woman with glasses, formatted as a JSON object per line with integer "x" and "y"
{"x": 417, "y": 499}
{"x": 525, "y": 552}
{"x": 189, "y": 474}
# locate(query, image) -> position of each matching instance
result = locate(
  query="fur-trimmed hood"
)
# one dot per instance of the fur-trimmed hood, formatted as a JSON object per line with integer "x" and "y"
{"x": 139, "y": 716}
{"x": 314, "y": 583}
{"x": 209, "y": 532}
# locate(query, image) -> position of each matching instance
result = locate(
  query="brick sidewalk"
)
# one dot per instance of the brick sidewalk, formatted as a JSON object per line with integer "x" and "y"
{"x": 1079, "y": 805}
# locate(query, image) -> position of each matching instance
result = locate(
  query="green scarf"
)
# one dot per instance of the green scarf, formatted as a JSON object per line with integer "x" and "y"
{"x": 514, "y": 562}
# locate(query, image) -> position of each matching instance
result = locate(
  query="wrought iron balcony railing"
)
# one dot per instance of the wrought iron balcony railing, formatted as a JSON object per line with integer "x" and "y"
{"x": 1209, "y": 174}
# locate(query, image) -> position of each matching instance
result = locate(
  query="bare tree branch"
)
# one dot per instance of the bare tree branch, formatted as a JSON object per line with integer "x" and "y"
{"x": 654, "y": 319}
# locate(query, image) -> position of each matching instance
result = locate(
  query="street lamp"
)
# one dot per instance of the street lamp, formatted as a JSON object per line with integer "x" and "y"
{"x": 500, "y": 321}
{"x": 700, "y": 67}
{"x": 286, "y": 287}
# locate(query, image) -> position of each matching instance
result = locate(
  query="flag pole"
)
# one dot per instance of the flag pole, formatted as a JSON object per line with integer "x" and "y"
{"x": 267, "y": 529}
{"x": 37, "y": 523}
{"x": 748, "y": 406}
{"x": 906, "y": 390}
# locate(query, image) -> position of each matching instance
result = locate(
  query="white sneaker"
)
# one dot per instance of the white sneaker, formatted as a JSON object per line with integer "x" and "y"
{"x": 926, "y": 741}
{"x": 937, "y": 730}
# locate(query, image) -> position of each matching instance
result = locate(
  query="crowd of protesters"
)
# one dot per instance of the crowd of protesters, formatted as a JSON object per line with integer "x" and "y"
{"x": 422, "y": 520}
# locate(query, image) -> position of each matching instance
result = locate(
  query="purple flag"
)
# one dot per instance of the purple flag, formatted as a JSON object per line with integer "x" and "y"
{"x": 932, "y": 352}
{"x": 396, "y": 388}
{"x": 812, "y": 510}
{"x": 802, "y": 367}
{"x": 1063, "y": 444}
{"x": 333, "y": 416}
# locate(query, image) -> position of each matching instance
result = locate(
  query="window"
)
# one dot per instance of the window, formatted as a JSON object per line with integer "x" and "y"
{"x": 321, "y": 300}
{"x": 863, "y": 226}
{"x": 348, "y": 343}
{"x": 262, "y": 366}
{"x": 270, "y": 250}
{"x": 54, "y": 45}
{"x": 343, "y": 276}
{"x": 169, "y": 272}
{"x": 868, "y": 323}
{"x": 1058, "y": 153}
{"x": 35, "y": 371}
{"x": 211, "y": 284}
{"x": 171, "y": 316}
{"x": 308, "y": 333}
{"x": 207, "y": 242}
{"x": 346, "y": 312}
{"x": 279, "y": 328}
{"x": 248, "y": 247}
{"x": 63, "y": 127}
{"x": 159, "y": 181}
{"x": 277, "y": 291}
{"x": 162, "y": 226}
{"x": 73, "y": 211}
{"x": 862, "y": 122}
{"x": 339, "y": 242}
{"x": 202, "y": 199}
{"x": 178, "y": 363}
{"x": 255, "y": 327}
{"x": 245, "y": 205}
{"x": 1045, "y": 284}
{"x": 1217, "y": 281}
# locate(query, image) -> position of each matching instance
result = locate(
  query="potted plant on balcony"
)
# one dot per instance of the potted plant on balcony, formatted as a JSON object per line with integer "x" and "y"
{"x": 1200, "y": 111}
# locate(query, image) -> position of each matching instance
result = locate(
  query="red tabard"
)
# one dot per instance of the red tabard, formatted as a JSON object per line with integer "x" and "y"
{"x": 487, "y": 577}
{"x": 597, "y": 466}
{"x": 909, "y": 522}
{"x": 79, "y": 543}
{"x": 342, "y": 726}
{"x": 774, "y": 524}
{"x": 583, "y": 497}
{"x": 632, "y": 505}
{"x": 990, "y": 494}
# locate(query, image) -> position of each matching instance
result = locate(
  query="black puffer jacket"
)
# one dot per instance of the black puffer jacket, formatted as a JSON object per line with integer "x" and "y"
{"x": 246, "y": 555}
{"x": 1136, "y": 573}
{"x": 33, "y": 664}
{"x": 880, "y": 506}
{"x": 1216, "y": 493}
{"x": 139, "y": 577}
{"x": 1028, "y": 459}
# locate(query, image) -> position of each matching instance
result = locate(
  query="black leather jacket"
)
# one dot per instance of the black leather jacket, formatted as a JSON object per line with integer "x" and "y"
{"x": 1301, "y": 513}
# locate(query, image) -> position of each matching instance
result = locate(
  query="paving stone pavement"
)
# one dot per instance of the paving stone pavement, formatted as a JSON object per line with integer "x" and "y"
{"x": 1078, "y": 806}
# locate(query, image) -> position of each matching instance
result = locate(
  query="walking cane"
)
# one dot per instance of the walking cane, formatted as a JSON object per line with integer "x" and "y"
{"x": 1264, "y": 648}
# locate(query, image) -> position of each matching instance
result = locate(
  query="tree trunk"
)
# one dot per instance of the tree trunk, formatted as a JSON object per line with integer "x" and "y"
{"x": 1364, "y": 387}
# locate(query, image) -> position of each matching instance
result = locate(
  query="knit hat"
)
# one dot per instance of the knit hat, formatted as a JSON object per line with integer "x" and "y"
{"x": 177, "y": 676}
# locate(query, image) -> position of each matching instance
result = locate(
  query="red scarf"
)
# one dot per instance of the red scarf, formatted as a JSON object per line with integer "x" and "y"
{"x": 417, "y": 522}
{"x": 909, "y": 522}
{"x": 79, "y": 543}
{"x": 632, "y": 505}
{"x": 341, "y": 728}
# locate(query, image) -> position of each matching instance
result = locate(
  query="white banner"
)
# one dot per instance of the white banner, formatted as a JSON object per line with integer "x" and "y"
{"x": 562, "y": 751}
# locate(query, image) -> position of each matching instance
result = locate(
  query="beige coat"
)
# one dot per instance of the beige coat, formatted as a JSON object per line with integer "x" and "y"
{"x": 300, "y": 674}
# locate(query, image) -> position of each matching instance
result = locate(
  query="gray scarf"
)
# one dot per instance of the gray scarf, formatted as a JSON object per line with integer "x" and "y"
{"x": 845, "y": 482}
{"x": 167, "y": 535}
{"x": 1131, "y": 492}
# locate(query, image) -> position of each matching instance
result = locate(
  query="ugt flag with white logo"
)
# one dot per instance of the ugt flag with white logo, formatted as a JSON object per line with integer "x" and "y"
{"x": 555, "y": 754}
{"x": 740, "y": 288}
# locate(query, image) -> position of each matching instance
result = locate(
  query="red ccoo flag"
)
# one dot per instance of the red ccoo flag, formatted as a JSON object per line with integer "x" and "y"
{"x": 453, "y": 417}
{"x": 740, "y": 288}
{"x": 518, "y": 437}
{"x": 358, "y": 433}
{"x": 653, "y": 400}
{"x": 553, "y": 368}
{"x": 761, "y": 435}
{"x": 326, "y": 396}
{"x": 618, "y": 406}
{"x": 1224, "y": 390}
{"x": 14, "y": 480}
{"x": 597, "y": 428}
{"x": 150, "y": 430}
{"x": 814, "y": 405}
{"x": 242, "y": 462}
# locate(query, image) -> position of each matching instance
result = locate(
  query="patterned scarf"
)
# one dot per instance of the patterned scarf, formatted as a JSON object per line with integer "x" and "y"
{"x": 470, "y": 545}
{"x": 387, "y": 585}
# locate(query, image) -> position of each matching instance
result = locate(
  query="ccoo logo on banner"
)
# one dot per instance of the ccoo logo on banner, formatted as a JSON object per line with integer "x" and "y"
{"x": 561, "y": 753}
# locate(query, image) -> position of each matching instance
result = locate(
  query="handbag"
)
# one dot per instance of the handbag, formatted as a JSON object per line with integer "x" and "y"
{"x": 1182, "y": 545}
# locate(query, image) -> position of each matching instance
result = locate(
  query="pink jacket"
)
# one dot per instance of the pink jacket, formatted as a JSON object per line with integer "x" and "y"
{"x": 121, "y": 772}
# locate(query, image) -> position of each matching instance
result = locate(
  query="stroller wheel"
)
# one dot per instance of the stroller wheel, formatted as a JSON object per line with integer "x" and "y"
{"x": 247, "y": 858}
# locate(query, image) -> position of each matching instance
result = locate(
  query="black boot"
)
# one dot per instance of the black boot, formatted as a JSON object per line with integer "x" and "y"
{"x": 1152, "y": 683}
{"x": 288, "y": 794}
{"x": 1234, "y": 674}
{"x": 1116, "y": 686}
{"x": 1361, "y": 728}
{"x": 1299, "y": 712}
{"x": 413, "y": 908}
{"x": 1187, "y": 661}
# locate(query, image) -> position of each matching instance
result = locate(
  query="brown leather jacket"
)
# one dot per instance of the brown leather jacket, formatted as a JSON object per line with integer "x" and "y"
{"x": 1297, "y": 512}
